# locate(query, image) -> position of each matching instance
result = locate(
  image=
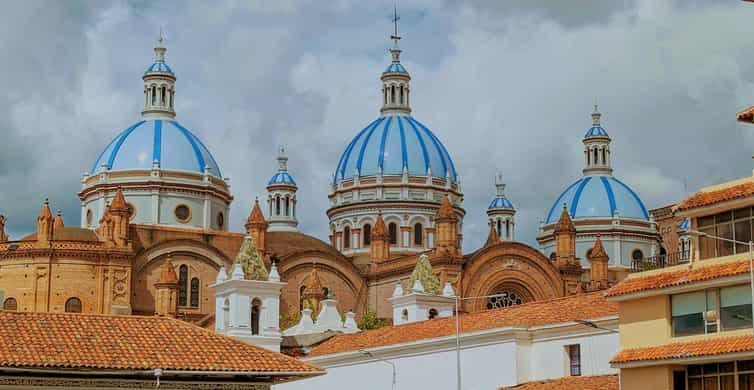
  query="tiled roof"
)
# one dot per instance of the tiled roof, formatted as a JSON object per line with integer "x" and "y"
{"x": 656, "y": 280}
{"x": 601, "y": 382}
{"x": 559, "y": 310}
{"x": 690, "y": 349}
{"x": 67, "y": 340}
{"x": 706, "y": 198}
{"x": 68, "y": 234}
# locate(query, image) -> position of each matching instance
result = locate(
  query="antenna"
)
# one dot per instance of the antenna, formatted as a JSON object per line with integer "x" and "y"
{"x": 395, "y": 37}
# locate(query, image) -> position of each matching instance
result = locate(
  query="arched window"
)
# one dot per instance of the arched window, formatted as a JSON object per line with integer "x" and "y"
{"x": 73, "y": 305}
{"x": 418, "y": 234}
{"x": 10, "y": 304}
{"x": 384, "y": 94}
{"x": 499, "y": 228}
{"x": 154, "y": 95}
{"x": 401, "y": 94}
{"x": 595, "y": 156}
{"x": 367, "y": 232}
{"x": 256, "y": 307}
{"x": 287, "y": 206}
{"x": 404, "y": 315}
{"x": 604, "y": 160}
{"x": 182, "y": 285}
{"x": 432, "y": 313}
{"x": 392, "y": 94}
{"x": 171, "y": 98}
{"x": 277, "y": 205}
{"x": 507, "y": 228}
{"x": 392, "y": 230}
{"x": 346, "y": 237}
{"x": 588, "y": 158}
{"x": 163, "y": 95}
{"x": 637, "y": 254}
{"x": 194, "y": 292}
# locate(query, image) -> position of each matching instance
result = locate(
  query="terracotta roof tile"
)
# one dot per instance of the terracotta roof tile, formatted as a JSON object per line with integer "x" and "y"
{"x": 601, "y": 382}
{"x": 633, "y": 284}
{"x": 706, "y": 198}
{"x": 582, "y": 306}
{"x": 705, "y": 347}
{"x": 66, "y": 340}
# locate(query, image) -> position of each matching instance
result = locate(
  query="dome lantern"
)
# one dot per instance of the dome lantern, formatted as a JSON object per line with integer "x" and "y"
{"x": 395, "y": 80}
{"x": 281, "y": 197}
{"x": 159, "y": 86}
{"x": 597, "y": 148}
{"x": 501, "y": 213}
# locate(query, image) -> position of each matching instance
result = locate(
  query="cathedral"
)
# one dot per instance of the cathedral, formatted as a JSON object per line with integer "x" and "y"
{"x": 155, "y": 209}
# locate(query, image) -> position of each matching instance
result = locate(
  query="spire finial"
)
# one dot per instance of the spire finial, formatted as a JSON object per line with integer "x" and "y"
{"x": 596, "y": 114}
{"x": 395, "y": 51}
{"x": 282, "y": 159}
{"x": 159, "y": 48}
{"x": 499, "y": 184}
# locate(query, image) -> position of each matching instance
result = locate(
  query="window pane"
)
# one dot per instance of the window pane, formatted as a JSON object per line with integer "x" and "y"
{"x": 688, "y": 303}
{"x": 746, "y": 382}
{"x": 695, "y": 370}
{"x": 743, "y": 233}
{"x": 723, "y": 217}
{"x": 706, "y": 244}
{"x": 742, "y": 213}
{"x": 736, "y": 317}
{"x": 726, "y": 367}
{"x": 710, "y": 383}
{"x": 695, "y": 384}
{"x": 705, "y": 221}
{"x": 725, "y": 248}
{"x": 745, "y": 365}
{"x": 727, "y": 382}
{"x": 689, "y": 324}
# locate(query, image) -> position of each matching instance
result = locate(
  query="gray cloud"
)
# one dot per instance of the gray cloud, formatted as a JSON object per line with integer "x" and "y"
{"x": 506, "y": 85}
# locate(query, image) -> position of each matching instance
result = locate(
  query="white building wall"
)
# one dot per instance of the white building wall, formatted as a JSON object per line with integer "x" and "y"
{"x": 549, "y": 358}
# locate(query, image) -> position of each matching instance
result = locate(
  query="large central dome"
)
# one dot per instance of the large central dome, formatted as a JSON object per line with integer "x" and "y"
{"x": 391, "y": 143}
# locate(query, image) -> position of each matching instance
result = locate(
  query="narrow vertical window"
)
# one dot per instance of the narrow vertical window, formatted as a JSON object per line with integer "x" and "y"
{"x": 195, "y": 292}
{"x": 256, "y": 308}
{"x": 277, "y": 205}
{"x": 154, "y": 95}
{"x": 588, "y": 158}
{"x": 392, "y": 94}
{"x": 401, "y": 94}
{"x": 418, "y": 234}
{"x": 604, "y": 160}
{"x": 287, "y": 206}
{"x": 392, "y": 229}
{"x": 347, "y": 237}
{"x": 574, "y": 359}
{"x": 163, "y": 95}
{"x": 499, "y": 228}
{"x": 367, "y": 232}
{"x": 507, "y": 228}
{"x": 182, "y": 285}
{"x": 171, "y": 98}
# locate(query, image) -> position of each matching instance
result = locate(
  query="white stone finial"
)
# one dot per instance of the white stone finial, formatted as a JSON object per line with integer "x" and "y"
{"x": 417, "y": 287}
{"x": 159, "y": 48}
{"x": 282, "y": 159}
{"x": 398, "y": 290}
{"x": 222, "y": 275}
{"x": 500, "y": 185}
{"x": 596, "y": 114}
{"x": 447, "y": 291}
{"x": 238, "y": 273}
{"x": 349, "y": 325}
{"x": 274, "y": 275}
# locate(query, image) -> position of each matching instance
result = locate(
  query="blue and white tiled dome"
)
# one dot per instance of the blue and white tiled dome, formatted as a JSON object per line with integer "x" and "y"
{"x": 501, "y": 202}
{"x": 391, "y": 143}
{"x": 598, "y": 197}
{"x": 165, "y": 141}
{"x": 282, "y": 178}
{"x": 395, "y": 68}
{"x": 158, "y": 66}
{"x": 596, "y": 131}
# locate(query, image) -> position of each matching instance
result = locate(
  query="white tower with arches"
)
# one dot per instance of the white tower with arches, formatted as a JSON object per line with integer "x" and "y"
{"x": 249, "y": 310}
{"x": 159, "y": 86}
{"x": 501, "y": 213}
{"x": 281, "y": 198}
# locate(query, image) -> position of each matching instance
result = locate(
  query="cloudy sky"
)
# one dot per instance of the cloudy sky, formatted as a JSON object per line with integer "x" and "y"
{"x": 506, "y": 85}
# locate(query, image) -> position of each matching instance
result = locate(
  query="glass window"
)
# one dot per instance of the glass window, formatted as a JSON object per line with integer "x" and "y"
{"x": 725, "y": 230}
{"x": 418, "y": 234}
{"x": 574, "y": 359}
{"x": 195, "y": 292}
{"x": 742, "y": 231}
{"x": 707, "y": 245}
{"x": 723, "y": 217}
{"x": 10, "y": 304}
{"x": 182, "y": 285}
{"x": 393, "y": 233}
{"x": 346, "y": 237}
{"x": 735, "y": 307}
{"x": 705, "y": 221}
{"x": 256, "y": 305}
{"x": 182, "y": 213}
{"x": 688, "y": 313}
{"x": 742, "y": 213}
{"x": 367, "y": 231}
{"x": 73, "y": 305}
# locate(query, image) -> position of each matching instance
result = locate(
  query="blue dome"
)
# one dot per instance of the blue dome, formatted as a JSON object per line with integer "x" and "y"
{"x": 391, "y": 143}
{"x": 501, "y": 203}
{"x": 282, "y": 178}
{"x": 598, "y": 197}
{"x": 164, "y": 141}
{"x": 395, "y": 68}
{"x": 159, "y": 67}
{"x": 596, "y": 131}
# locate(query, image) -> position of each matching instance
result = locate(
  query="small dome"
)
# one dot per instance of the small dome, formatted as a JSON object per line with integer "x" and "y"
{"x": 598, "y": 197}
{"x": 596, "y": 131}
{"x": 282, "y": 178}
{"x": 395, "y": 68}
{"x": 158, "y": 66}
{"x": 501, "y": 202}
{"x": 391, "y": 143}
{"x": 166, "y": 142}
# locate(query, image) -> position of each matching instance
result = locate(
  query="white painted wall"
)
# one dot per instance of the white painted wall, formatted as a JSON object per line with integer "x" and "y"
{"x": 507, "y": 359}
